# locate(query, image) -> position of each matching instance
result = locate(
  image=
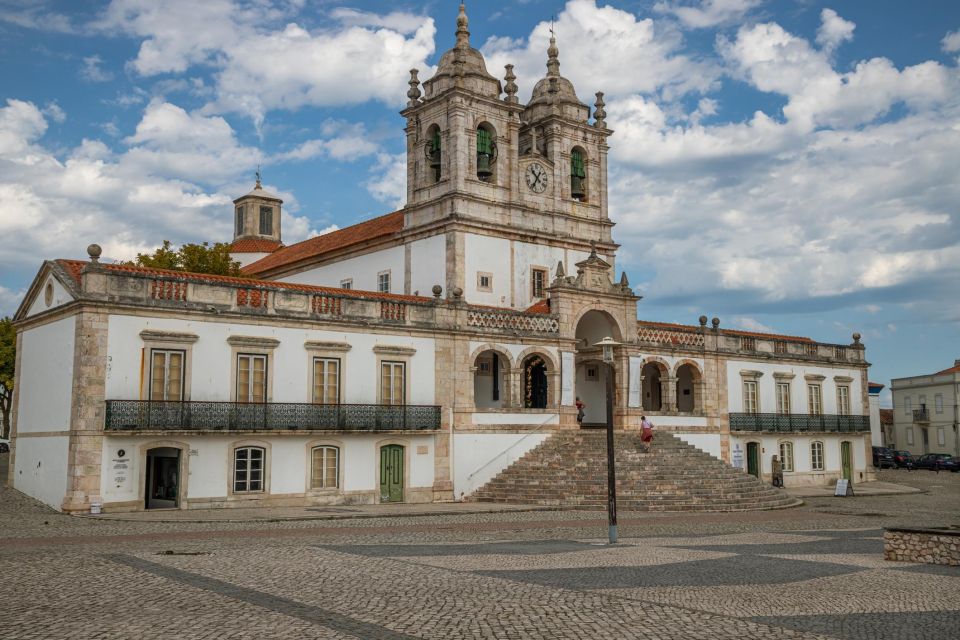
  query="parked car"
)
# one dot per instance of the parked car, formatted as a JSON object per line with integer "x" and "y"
{"x": 4, "y": 446}
{"x": 883, "y": 457}
{"x": 903, "y": 459}
{"x": 938, "y": 462}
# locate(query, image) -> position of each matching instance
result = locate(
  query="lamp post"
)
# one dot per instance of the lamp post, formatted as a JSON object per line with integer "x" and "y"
{"x": 608, "y": 344}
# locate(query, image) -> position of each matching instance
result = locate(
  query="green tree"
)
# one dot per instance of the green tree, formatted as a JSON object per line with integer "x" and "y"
{"x": 8, "y": 358}
{"x": 194, "y": 258}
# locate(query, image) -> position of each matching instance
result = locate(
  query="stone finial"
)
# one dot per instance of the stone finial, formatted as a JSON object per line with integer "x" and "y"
{"x": 414, "y": 93}
{"x": 856, "y": 338}
{"x": 703, "y": 321}
{"x": 624, "y": 283}
{"x": 511, "y": 87}
{"x": 553, "y": 57}
{"x": 599, "y": 114}
{"x": 463, "y": 33}
{"x": 94, "y": 251}
{"x": 437, "y": 290}
{"x": 258, "y": 185}
{"x": 561, "y": 272}
{"x": 715, "y": 322}
{"x": 457, "y": 291}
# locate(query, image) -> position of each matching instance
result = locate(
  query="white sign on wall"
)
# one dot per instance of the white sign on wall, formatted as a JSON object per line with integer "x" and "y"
{"x": 737, "y": 456}
{"x": 634, "y": 396}
{"x": 120, "y": 469}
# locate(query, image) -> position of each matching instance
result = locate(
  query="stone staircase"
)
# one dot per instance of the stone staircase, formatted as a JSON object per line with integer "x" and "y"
{"x": 570, "y": 469}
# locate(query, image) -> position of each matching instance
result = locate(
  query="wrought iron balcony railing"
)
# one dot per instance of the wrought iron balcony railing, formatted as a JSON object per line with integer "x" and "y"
{"x": 148, "y": 415}
{"x": 798, "y": 422}
{"x": 921, "y": 415}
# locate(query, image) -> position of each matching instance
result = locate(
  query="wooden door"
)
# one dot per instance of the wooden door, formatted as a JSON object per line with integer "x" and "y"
{"x": 753, "y": 459}
{"x": 846, "y": 460}
{"x": 391, "y": 473}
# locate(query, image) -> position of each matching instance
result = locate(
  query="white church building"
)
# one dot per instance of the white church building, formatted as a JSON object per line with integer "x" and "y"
{"x": 411, "y": 357}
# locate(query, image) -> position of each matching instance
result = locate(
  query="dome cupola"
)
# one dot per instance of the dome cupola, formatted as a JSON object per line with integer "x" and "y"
{"x": 462, "y": 66}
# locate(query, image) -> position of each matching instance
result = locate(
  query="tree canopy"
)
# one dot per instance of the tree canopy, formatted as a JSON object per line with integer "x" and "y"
{"x": 194, "y": 258}
{"x": 8, "y": 357}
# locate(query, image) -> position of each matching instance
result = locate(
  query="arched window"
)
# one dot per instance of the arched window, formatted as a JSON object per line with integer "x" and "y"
{"x": 486, "y": 153}
{"x": 325, "y": 468}
{"x": 687, "y": 377}
{"x": 816, "y": 456}
{"x": 578, "y": 175}
{"x": 434, "y": 153}
{"x": 651, "y": 387}
{"x": 786, "y": 456}
{"x": 248, "y": 469}
{"x": 490, "y": 381}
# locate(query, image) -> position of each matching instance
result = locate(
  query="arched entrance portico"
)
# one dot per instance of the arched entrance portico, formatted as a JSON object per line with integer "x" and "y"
{"x": 595, "y": 380}
{"x": 535, "y": 387}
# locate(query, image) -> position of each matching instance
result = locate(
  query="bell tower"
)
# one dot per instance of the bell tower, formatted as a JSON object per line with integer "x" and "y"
{"x": 257, "y": 215}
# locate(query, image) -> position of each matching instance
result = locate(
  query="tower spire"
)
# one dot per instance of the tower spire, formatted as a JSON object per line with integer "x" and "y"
{"x": 463, "y": 33}
{"x": 553, "y": 53}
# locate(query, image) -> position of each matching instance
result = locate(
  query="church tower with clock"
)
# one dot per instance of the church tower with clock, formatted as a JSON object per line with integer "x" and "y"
{"x": 516, "y": 189}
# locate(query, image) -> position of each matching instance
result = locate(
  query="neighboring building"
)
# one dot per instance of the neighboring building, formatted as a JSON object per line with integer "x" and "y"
{"x": 411, "y": 357}
{"x": 925, "y": 412}
{"x": 876, "y": 427}
{"x": 886, "y": 428}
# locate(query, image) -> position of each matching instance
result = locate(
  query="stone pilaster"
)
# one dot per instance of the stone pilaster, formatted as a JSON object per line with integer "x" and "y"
{"x": 87, "y": 411}
{"x": 668, "y": 393}
{"x": 445, "y": 397}
{"x": 14, "y": 404}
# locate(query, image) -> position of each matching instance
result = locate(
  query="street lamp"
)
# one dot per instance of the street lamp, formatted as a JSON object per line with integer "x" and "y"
{"x": 607, "y": 344}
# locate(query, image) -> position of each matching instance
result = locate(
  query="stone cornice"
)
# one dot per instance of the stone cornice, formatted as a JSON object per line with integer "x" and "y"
{"x": 316, "y": 345}
{"x": 394, "y": 350}
{"x": 253, "y": 341}
{"x": 153, "y": 335}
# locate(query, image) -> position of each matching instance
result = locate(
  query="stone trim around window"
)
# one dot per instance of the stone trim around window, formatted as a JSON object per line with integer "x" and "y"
{"x": 331, "y": 351}
{"x": 748, "y": 374}
{"x": 338, "y": 347}
{"x": 842, "y": 379}
{"x": 395, "y": 351}
{"x": 324, "y": 442}
{"x": 251, "y": 346}
{"x": 784, "y": 376}
{"x": 254, "y": 342}
{"x": 152, "y": 335}
{"x": 814, "y": 377}
{"x": 231, "y": 466}
{"x": 166, "y": 341}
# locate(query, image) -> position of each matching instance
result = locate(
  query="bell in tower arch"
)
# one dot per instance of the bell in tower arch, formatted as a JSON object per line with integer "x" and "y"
{"x": 577, "y": 190}
{"x": 486, "y": 153}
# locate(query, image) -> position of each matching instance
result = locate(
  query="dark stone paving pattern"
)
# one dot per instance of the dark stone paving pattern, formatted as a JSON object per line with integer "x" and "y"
{"x": 539, "y": 547}
{"x": 928, "y": 625}
{"x": 735, "y": 570}
{"x": 833, "y": 545}
{"x": 932, "y": 569}
{"x": 316, "y": 615}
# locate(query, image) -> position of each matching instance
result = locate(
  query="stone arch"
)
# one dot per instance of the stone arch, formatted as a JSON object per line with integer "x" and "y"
{"x": 493, "y": 368}
{"x": 485, "y": 146}
{"x": 578, "y": 173}
{"x": 655, "y": 384}
{"x": 688, "y": 386}
{"x": 615, "y": 330}
{"x": 538, "y": 377}
{"x": 433, "y": 152}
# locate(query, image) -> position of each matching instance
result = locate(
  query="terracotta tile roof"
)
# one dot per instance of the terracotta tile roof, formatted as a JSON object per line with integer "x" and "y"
{"x": 734, "y": 332}
{"x": 255, "y": 245}
{"x": 954, "y": 369}
{"x": 74, "y": 268}
{"x": 543, "y": 306}
{"x": 362, "y": 232}
{"x": 886, "y": 416}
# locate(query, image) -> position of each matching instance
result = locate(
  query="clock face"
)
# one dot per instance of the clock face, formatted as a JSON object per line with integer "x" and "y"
{"x": 537, "y": 178}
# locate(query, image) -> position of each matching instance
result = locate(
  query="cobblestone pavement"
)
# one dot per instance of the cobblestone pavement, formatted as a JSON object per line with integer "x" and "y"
{"x": 812, "y": 572}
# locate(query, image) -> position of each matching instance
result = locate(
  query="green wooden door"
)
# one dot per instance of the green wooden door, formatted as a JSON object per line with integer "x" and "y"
{"x": 846, "y": 460}
{"x": 753, "y": 459}
{"x": 391, "y": 473}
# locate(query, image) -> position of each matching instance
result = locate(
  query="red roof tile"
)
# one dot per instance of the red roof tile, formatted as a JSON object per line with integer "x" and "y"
{"x": 886, "y": 416}
{"x": 255, "y": 245}
{"x": 543, "y": 306}
{"x": 75, "y": 267}
{"x": 735, "y": 332}
{"x": 362, "y": 232}
{"x": 954, "y": 369}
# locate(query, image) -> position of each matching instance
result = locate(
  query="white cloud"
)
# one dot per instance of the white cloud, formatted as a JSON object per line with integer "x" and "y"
{"x": 707, "y": 13}
{"x": 347, "y": 142}
{"x": 951, "y": 42}
{"x": 596, "y": 44}
{"x": 389, "y": 183}
{"x": 833, "y": 30}
{"x": 261, "y": 63}
{"x": 751, "y": 324}
{"x": 10, "y": 300}
{"x": 91, "y": 70}
{"x": 55, "y": 113}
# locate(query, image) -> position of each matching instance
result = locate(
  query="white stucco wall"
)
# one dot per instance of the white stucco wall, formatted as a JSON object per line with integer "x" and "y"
{"x": 208, "y": 459}
{"x": 706, "y": 442}
{"x": 60, "y": 297}
{"x": 363, "y": 270}
{"x": 798, "y": 386}
{"x": 478, "y": 457}
{"x": 212, "y": 362}
{"x": 40, "y": 468}
{"x": 428, "y": 265}
{"x": 46, "y": 377}
{"x": 803, "y": 472}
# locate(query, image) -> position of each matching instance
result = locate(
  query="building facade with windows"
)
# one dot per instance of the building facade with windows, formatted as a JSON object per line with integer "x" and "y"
{"x": 925, "y": 412}
{"x": 411, "y": 357}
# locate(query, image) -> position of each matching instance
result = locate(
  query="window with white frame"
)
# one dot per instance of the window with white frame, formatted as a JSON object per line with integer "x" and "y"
{"x": 816, "y": 456}
{"x": 941, "y": 436}
{"x": 783, "y": 397}
{"x": 326, "y": 380}
{"x": 907, "y": 406}
{"x": 324, "y": 468}
{"x": 814, "y": 400}
{"x": 166, "y": 374}
{"x": 538, "y": 280}
{"x": 938, "y": 402}
{"x": 346, "y": 284}
{"x": 251, "y": 378}
{"x": 383, "y": 282}
{"x": 751, "y": 401}
{"x": 786, "y": 456}
{"x": 843, "y": 400}
{"x": 909, "y": 435}
{"x": 392, "y": 382}
{"x": 248, "y": 467}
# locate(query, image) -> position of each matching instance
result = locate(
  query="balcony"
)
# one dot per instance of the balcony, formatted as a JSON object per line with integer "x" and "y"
{"x": 798, "y": 423}
{"x": 921, "y": 415}
{"x": 147, "y": 415}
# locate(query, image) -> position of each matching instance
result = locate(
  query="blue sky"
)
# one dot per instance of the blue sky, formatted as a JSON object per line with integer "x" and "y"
{"x": 788, "y": 166}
